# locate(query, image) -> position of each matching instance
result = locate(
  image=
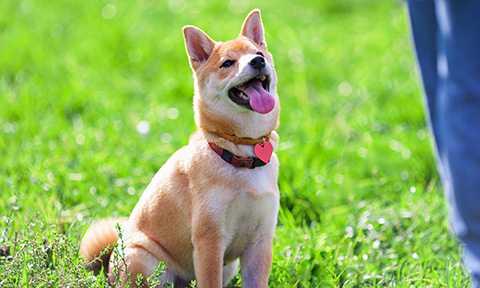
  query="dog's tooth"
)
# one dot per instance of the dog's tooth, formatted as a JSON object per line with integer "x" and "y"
{"x": 243, "y": 96}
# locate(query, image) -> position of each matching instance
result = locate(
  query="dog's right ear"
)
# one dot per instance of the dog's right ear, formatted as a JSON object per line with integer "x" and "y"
{"x": 198, "y": 45}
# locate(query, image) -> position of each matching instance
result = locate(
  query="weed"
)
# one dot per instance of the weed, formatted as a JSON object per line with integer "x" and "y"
{"x": 120, "y": 265}
{"x": 40, "y": 257}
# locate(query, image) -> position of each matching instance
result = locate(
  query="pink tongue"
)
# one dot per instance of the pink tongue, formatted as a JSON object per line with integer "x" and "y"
{"x": 260, "y": 100}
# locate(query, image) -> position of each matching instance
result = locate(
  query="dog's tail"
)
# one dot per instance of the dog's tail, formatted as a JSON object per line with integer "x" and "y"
{"x": 97, "y": 243}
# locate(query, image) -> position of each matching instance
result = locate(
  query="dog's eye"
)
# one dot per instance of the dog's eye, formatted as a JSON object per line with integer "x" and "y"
{"x": 227, "y": 63}
{"x": 261, "y": 54}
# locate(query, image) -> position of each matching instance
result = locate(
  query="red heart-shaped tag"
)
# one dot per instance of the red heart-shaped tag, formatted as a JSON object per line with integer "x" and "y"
{"x": 263, "y": 151}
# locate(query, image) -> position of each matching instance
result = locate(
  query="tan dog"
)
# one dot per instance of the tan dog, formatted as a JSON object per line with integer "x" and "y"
{"x": 207, "y": 207}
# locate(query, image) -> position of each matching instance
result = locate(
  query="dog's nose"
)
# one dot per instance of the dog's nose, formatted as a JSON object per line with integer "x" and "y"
{"x": 257, "y": 63}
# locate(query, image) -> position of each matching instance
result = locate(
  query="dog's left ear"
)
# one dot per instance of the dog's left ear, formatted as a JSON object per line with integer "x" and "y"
{"x": 253, "y": 28}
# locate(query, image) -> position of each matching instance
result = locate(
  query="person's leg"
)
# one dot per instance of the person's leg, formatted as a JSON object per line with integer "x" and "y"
{"x": 449, "y": 57}
{"x": 458, "y": 129}
{"x": 423, "y": 23}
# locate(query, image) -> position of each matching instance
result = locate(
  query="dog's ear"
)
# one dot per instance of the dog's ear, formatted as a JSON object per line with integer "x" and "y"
{"x": 253, "y": 28}
{"x": 198, "y": 45}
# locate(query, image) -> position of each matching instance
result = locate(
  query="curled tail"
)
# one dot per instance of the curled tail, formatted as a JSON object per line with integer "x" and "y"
{"x": 97, "y": 243}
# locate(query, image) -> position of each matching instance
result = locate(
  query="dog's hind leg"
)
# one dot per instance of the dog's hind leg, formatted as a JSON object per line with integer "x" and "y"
{"x": 139, "y": 261}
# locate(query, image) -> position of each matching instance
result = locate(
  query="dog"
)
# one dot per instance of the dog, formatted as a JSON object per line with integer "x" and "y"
{"x": 213, "y": 205}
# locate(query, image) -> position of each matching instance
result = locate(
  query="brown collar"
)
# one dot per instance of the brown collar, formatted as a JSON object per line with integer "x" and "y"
{"x": 237, "y": 161}
{"x": 243, "y": 141}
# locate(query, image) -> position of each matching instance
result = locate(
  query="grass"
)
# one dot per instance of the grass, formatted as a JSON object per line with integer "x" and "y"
{"x": 96, "y": 95}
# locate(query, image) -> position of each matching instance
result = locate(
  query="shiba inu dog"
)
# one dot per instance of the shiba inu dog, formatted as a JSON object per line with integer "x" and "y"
{"x": 213, "y": 205}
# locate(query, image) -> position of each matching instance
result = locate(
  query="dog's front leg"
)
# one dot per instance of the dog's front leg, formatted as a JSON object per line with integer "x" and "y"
{"x": 208, "y": 260}
{"x": 256, "y": 263}
{"x": 207, "y": 253}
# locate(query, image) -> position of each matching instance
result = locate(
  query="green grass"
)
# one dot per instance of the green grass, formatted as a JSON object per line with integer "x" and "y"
{"x": 361, "y": 202}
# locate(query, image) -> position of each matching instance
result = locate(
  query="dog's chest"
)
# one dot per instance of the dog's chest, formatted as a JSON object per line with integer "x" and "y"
{"x": 249, "y": 218}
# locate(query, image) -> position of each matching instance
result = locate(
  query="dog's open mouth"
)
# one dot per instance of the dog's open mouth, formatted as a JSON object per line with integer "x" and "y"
{"x": 254, "y": 94}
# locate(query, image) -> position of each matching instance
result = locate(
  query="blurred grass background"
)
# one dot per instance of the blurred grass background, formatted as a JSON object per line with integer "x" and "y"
{"x": 96, "y": 95}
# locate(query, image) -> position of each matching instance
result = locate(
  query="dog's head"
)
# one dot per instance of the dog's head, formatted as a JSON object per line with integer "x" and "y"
{"x": 235, "y": 81}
